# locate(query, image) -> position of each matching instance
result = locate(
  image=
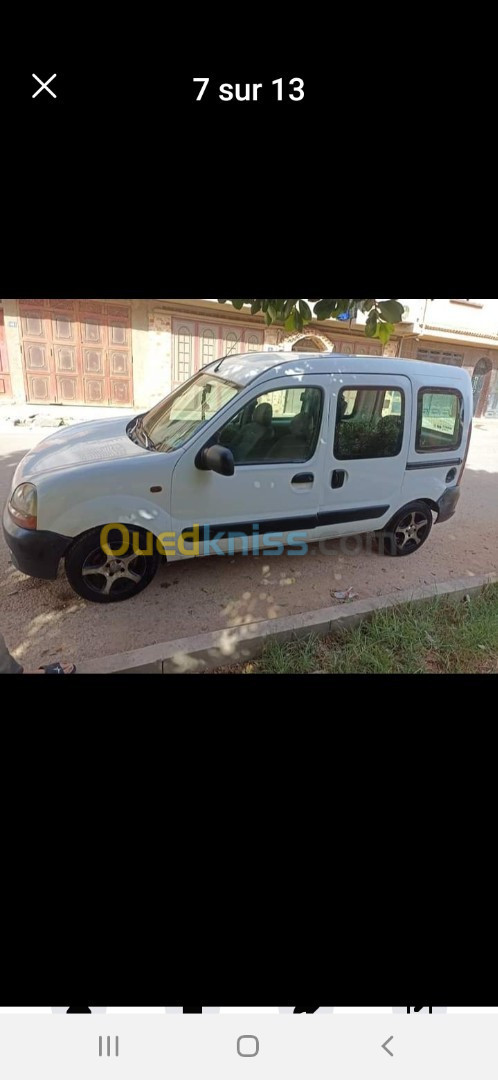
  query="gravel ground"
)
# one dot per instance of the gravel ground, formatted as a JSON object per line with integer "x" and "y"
{"x": 45, "y": 621}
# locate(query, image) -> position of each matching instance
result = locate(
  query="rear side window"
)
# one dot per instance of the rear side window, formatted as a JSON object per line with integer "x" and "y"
{"x": 370, "y": 423}
{"x": 439, "y": 420}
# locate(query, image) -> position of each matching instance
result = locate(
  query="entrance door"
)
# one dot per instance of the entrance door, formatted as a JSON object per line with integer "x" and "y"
{"x": 366, "y": 451}
{"x": 39, "y": 368}
{"x": 77, "y": 352}
{"x": 480, "y": 384}
{"x": 308, "y": 344}
{"x": 66, "y": 351}
{"x": 275, "y": 439}
{"x": 4, "y": 364}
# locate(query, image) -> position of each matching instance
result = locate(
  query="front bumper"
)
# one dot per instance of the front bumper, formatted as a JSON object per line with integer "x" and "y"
{"x": 448, "y": 503}
{"x": 36, "y": 554}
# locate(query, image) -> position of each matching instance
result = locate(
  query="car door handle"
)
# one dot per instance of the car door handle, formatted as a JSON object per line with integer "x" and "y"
{"x": 303, "y": 478}
{"x": 338, "y": 478}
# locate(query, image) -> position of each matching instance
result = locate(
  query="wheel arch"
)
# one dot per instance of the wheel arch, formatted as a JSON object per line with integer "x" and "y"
{"x": 132, "y": 526}
{"x": 427, "y": 502}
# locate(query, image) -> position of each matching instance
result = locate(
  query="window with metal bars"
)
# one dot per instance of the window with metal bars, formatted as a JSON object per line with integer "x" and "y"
{"x": 436, "y": 356}
{"x": 183, "y": 354}
{"x": 232, "y": 342}
{"x": 208, "y": 347}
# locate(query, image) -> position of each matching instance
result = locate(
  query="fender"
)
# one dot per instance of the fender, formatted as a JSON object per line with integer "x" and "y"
{"x": 104, "y": 510}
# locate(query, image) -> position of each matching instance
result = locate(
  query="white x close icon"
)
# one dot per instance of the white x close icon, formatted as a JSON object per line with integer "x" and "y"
{"x": 44, "y": 86}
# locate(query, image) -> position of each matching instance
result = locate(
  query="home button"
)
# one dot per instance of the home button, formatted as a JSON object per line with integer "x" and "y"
{"x": 248, "y": 1046}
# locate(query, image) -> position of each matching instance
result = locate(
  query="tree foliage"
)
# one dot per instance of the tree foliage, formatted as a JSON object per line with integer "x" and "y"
{"x": 382, "y": 315}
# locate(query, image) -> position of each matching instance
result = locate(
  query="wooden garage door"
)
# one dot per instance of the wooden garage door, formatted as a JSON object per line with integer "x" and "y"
{"x": 77, "y": 352}
{"x": 5, "y": 389}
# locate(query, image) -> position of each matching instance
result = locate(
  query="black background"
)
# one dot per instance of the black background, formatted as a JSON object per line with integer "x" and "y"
{"x": 163, "y": 846}
{"x": 280, "y": 841}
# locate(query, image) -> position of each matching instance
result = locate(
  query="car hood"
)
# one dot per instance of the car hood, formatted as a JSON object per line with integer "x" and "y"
{"x": 82, "y": 444}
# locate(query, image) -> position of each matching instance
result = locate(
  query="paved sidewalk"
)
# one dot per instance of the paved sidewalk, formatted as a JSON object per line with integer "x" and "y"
{"x": 55, "y": 415}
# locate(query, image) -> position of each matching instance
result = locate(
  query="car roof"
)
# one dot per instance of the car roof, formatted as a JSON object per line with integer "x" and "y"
{"x": 249, "y": 367}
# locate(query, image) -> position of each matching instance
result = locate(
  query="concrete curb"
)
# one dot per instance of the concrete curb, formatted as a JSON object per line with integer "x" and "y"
{"x": 237, "y": 644}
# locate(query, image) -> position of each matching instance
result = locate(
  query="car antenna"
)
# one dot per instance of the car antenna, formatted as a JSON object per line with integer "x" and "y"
{"x": 217, "y": 368}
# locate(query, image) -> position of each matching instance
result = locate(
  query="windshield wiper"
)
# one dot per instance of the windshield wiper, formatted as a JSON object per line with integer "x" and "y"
{"x": 132, "y": 428}
{"x": 150, "y": 445}
{"x": 140, "y": 431}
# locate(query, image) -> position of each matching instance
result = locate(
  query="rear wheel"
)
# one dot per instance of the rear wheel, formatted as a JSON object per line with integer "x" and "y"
{"x": 408, "y": 530}
{"x": 108, "y": 579}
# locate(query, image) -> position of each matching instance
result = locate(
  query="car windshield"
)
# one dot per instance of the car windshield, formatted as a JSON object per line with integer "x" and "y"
{"x": 171, "y": 423}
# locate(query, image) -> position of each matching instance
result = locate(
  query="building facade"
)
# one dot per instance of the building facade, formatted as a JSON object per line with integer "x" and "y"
{"x": 460, "y": 332}
{"x": 128, "y": 353}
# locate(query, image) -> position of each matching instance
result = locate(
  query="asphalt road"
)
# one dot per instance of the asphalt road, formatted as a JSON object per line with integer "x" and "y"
{"x": 46, "y": 621}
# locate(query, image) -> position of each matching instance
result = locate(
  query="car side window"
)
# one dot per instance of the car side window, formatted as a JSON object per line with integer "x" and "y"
{"x": 370, "y": 423}
{"x": 279, "y": 426}
{"x": 439, "y": 420}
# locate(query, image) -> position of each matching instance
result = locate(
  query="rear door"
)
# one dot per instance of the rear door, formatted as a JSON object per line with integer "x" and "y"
{"x": 366, "y": 451}
{"x": 441, "y": 421}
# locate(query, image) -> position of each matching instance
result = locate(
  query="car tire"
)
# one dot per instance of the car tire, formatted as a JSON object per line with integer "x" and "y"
{"x": 407, "y": 531}
{"x": 102, "y": 579}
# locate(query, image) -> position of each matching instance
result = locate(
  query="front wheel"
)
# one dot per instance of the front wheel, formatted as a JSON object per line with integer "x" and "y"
{"x": 408, "y": 530}
{"x": 107, "y": 579}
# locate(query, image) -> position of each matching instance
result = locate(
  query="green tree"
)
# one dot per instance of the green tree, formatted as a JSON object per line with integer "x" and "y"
{"x": 382, "y": 315}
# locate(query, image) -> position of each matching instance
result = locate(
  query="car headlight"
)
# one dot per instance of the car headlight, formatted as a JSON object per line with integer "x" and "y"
{"x": 23, "y": 506}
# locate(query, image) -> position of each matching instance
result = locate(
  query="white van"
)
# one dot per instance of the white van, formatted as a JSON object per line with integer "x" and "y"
{"x": 255, "y": 453}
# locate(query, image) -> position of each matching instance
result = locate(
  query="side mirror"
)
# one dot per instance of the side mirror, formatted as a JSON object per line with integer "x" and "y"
{"x": 218, "y": 459}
